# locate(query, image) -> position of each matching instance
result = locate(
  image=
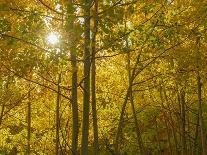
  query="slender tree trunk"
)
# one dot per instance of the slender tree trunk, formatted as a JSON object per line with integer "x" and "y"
{"x": 3, "y": 104}
{"x": 200, "y": 111}
{"x": 2, "y": 113}
{"x": 86, "y": 93}
{"x": 28, "y": 124}
{"x": 183, "y": 133}
{"x": 202, "y": 130}
{"x": 165, "y": 100}
{"x": 195, "y": 150}
{"x": 75, "y": 126}
{"x": 173, "y": 126}
{"x": 120, "y": 125}
{"x": 58, "y": 116}
{"x": 189, "y": 142}
{"x": 157, "y": 137}
{"x": 139, "y": 137}
{"x": 168, "y": 133}
{"x": 93, "y": 81}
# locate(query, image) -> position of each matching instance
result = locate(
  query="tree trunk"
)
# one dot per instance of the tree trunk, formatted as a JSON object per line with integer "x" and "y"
{"x": 93, "y": 81}
{"x": 86, "y": 87}
{"x": 75, "y": 126}
{"x": 2, "y": 113}
{"x": 202, "y": 130}
{"x": 120, "y": 124}
{"x": 183, "y": 134}
{"x": 168, "y": 133}
{"x": 139, "y": 137}
{"x": 28, "y": 124}
{"x": 3, "y": 103}
{"x": 58, "y": 116}
{"x": 195, "y": 150}
{"x": 165, "y": 100}
{"x": 200, "y": 111}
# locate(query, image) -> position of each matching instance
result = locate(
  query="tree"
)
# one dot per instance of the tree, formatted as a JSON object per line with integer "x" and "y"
{"x": 86, "y": 87}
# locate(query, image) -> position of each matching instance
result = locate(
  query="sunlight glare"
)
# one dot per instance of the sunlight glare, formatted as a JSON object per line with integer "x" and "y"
{"x": 52, "y": 38}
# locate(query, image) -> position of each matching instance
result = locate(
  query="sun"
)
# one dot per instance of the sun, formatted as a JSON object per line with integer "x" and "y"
{"x": 52, "y": 38}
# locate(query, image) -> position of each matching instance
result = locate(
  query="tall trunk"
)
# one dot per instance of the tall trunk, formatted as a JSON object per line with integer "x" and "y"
{"x": 93, "y": 81}
{"x": 168, "y": 133}
{"x": 163, "y": 100}
{"x": 183, "y": 133}
{"x": 195, "y": 150}
{"x": 200, "y": 112}
{"x": 86, "y": 93}
{"x": 157, "y": 137}
{"x": 173, "y": 126}
{"x": 28, "y": 124}
{"x": 75, "y": 127}
{"x": 139, "y": 137}
{"x": 202, "y": 131}
{"x": 58, "y": 116}
{"x": 121, "y": 119}
{"x": 167, "y": 121}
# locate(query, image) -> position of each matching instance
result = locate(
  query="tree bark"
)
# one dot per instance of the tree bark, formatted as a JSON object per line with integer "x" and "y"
{"x": 86, "y": 84}
{"x": 202, "y": 130}
{"x": 195, "y": 150}
{"x": 75, "y": 118}
{"x": 93, "y": 81}
{"x": 28, "y": 124}
{"x": 183, "y": 133}
{"x": 120, "y": 124}
{"x": 200, "y": 111}
{"x": 3, "y": 103}
{"x": 139, "y": 137}
{"x": 58, "y": 116}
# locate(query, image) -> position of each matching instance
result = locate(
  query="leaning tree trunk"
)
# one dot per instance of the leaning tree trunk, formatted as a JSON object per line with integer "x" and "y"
{"x": 86, "y": 86}
{"x": 131, "y": 98}
{"x": 3, "y": 103}
{"x": 138, "y": 132}
{"x": 121, "y": 118}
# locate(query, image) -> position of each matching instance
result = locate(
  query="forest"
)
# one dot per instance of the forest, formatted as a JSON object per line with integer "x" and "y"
{"x": 103, "y": 77}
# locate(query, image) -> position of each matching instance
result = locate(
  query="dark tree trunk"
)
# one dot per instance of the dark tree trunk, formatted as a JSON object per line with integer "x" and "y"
{"x": 202, "y": 130}
{"x": 75, "y": 118}
{"x": 58, "y": 116}
{"x": 93, "y": 81}
{"x": 200, "y": 110}
{"x": 28, "y": 124}
{"x": 86, "y": 87}
{"x": 139, "y": 137}
{"x": 183, "y": 132}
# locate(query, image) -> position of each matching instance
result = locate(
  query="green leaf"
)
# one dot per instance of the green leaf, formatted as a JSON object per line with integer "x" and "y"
{"x": 5, "y": 26}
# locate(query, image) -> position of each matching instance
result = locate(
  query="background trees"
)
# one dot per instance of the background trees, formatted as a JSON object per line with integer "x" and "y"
{"x": 129, "y": 74}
